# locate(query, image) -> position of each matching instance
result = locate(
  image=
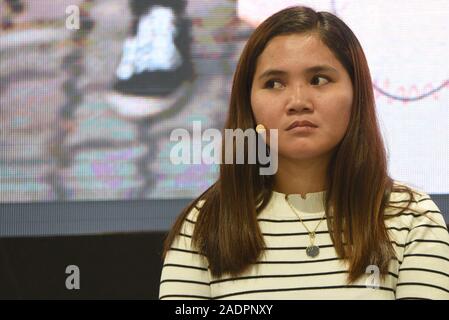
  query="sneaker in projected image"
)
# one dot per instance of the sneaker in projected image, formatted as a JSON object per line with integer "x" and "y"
{"x": 8, "y": 9}
{"x": 16, "y": 5}
{"x": 155, "y": 66}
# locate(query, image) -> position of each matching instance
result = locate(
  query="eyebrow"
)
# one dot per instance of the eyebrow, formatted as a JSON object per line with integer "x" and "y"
{"x": 317, "y": 68}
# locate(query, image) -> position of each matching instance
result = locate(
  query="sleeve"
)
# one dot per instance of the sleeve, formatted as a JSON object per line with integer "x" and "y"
{"x": 424, "y": 272}
{"x": 185, "y": 273}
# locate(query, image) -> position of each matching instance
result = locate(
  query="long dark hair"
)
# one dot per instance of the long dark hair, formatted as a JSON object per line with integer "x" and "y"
{"x": 358, "y": 185}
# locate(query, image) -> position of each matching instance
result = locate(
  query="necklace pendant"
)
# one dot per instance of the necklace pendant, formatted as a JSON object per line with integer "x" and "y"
{"x": 312, "y": 251}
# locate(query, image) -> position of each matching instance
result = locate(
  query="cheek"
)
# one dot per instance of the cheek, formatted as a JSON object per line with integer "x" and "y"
{"x": 261, "y": 109}
{"x": 263, "y": 117}
{"x": 337, "y": 119}
{"x": 255, "y": 107}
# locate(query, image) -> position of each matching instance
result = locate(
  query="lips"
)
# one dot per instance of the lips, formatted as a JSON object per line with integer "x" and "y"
{"x": 303, "y": 123}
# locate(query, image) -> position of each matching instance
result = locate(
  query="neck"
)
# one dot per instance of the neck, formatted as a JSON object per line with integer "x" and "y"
{"x": 301, "y": 176}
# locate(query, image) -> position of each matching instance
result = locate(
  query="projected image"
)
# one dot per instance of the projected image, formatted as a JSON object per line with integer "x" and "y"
{"x": 91, "y": 90}
{"x": 87, "y": 113}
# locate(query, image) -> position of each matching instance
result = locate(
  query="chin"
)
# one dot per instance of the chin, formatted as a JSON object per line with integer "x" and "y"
{"x": 301, "y": 154}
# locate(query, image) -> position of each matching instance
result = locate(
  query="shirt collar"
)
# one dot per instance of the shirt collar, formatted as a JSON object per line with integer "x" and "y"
{"x": 313, "y": 203}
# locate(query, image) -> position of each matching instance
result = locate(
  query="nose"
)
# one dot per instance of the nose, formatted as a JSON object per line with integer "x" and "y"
{"x": 298, "y": 99}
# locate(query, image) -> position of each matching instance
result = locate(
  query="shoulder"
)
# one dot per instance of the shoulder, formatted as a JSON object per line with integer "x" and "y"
{"x": 400, "y": 196}
{"x": 191, "y": 218}
{"x": 193, "y": 214}
{"x": 184, "y": 228}
{"x": 421, "y": 210}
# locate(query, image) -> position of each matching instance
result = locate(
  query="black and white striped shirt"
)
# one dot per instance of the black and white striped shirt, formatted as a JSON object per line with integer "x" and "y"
{"x": 284, "y": 271}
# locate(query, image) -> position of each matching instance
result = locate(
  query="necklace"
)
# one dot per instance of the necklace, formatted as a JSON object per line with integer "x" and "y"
{"x": 312, "y": 250}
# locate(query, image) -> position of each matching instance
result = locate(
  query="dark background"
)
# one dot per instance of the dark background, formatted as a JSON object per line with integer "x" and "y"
{"x": 116, "y": 266}
{"x": 117, "y": 246}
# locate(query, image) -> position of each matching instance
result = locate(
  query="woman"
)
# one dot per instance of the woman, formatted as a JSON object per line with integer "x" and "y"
{"x": 331, "y": 223}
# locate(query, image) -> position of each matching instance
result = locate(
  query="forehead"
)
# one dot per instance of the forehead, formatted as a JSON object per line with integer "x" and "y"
{"x": 296, "y": 51}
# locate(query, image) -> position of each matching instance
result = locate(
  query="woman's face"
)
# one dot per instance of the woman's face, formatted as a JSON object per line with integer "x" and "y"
{"x": 296, "y": 89}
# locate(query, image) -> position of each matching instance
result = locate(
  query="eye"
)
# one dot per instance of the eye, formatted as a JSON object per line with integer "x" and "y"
{"x": 322, "y": 77}
{"x": 272, "y": 84}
